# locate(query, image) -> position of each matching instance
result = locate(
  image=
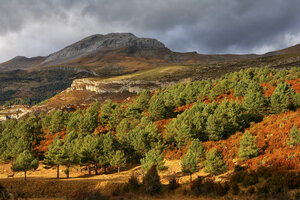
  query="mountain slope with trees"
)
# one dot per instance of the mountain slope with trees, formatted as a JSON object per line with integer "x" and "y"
{"x": 249, "y": 118}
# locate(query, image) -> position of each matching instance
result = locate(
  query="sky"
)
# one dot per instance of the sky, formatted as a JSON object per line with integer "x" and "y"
{"x": 40, "y": 27}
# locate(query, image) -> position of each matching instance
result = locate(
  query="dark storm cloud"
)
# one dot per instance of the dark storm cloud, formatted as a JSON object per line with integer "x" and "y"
{"x": 39, "y": 27}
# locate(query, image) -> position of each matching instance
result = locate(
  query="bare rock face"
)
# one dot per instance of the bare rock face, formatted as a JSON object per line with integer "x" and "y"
{"x": 100, "y": 42}
{"x": 114, "y": 86}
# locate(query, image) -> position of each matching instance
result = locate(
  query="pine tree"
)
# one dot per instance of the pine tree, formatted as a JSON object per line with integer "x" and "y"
{"x": 153, "y": 157}
{"x": 255, "y": 102}
{"x": 118, "y": 160}
{"x": 157, "y": 109}
{"x": 184, "y": 135}
{"x": 142, "y": 100}
{"x": 197, "y": 147}
{"x": 189, "y": 163}
{"x": 247, "y": 148}
{"x": 214, "y": 163}
{"x": 240, "y": 89}
{"x": 294, "y": 136}
{"x": 24, "y": 162}
{"x": 91, "y": 150}
{"x": 54, "y": 155}
{"x": 282, "y": 98}
{"x": 57, "y": 122}
{"x": 214, "y": 128}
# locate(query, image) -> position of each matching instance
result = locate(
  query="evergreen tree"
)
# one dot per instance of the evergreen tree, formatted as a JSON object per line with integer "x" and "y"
{"x": 144, "y": 137}
{"x": 214, "y": 163}
{"x": 25, "y": 162}
{"x": 118, "y": 160}
{"x": 142, "y": 100}
{"x": 199, "y": 149}
{"x": 184, "y": 136}
{"x": 214, "y": 128}
{"x": 88, "y": 123}
{"x": 110, "y": 146}
{"x": 247, "y": 148}
{"x": 282, "y": 98}
{"x": 157, "y": 109}
{"x": 189, "y": 163}
{"x": 294, "y": 136}
{"x": 54, "y": 155}
{"x": 111, "y": 114}
{"x": 91, "y": 151}
{"x": 153, "y": 157}
{"x": 255, "y": 103}
{"x": 70, "y": 155}
{"x": 240, "y": 89}
{"x": 58, "y": 121}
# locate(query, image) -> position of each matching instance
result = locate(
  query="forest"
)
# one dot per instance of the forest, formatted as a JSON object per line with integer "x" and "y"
{"x": 215, "y": 125}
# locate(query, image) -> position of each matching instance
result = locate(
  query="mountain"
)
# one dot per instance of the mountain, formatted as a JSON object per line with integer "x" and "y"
{"x": 121, "y": 52}
{"x": 123, "y": 60}
{"x": 21, "y": 62}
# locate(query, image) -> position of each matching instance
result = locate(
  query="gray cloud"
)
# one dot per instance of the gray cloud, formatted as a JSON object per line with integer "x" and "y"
{"x": 39, "y": 27}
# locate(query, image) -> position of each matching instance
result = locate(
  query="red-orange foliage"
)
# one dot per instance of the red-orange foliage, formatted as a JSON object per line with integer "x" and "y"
{"x": 161, "y": 125}
{"x": 101, "y": 130}
{"x": 42, "y": 148}
{"x": 174, "y": 153}
{"x": 229, "y": 95}
{"x": 295, "y": 84}
{"x": 180, "y": 109}
{"x": 268, "y": 89}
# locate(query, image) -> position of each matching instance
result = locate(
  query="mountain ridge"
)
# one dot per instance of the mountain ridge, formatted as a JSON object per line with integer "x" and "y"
{"x": 126, "y": 52}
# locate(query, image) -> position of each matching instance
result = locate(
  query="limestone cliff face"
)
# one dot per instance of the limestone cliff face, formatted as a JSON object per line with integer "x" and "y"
{"x": 15, "y": 111}
{"x": 114, "y": 86}
{"x": 88, "y": 90}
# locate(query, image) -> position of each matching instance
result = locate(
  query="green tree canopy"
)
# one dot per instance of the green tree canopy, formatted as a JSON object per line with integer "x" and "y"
{"x": 153, "y": 157}
{"x": 282, "y": 98}
{"x": 189, "y": 163}
{"x": 294, "y": 136}
{"x": 118, "y": 160}
{"x": 25, "y": 162}
{"x": 55, "y": 155}
{"x": 214, "y": 163}
{"x": 247, "y": 148}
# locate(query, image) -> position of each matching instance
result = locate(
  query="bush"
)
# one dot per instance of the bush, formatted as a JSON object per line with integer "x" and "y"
{"x": 151, "y": 182}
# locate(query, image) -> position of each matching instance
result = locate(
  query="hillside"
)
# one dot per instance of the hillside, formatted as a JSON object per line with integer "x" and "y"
{"x": 238, "y": 131}
{"x": 32, "y": 80}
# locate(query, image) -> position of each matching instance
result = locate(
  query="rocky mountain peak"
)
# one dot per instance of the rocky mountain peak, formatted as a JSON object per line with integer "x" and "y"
{"x": 98, "y": 42}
